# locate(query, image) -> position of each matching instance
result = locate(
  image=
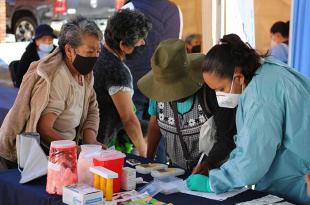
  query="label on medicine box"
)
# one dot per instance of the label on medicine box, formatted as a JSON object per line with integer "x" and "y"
{"x": 82, "y": 194}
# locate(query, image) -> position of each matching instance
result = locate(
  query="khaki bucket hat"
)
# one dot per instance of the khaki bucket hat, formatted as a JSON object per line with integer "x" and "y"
{"x": 174, "y": 75}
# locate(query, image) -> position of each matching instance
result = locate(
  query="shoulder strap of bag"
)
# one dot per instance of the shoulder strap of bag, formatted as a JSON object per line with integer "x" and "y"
{"x": 177, "y": 124}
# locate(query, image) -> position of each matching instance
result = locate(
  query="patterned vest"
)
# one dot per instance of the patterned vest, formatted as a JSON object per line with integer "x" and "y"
{"x": 190, "y": 124}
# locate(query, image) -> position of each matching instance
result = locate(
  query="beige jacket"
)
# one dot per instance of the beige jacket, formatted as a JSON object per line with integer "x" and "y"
{"x": 32, "y": 99}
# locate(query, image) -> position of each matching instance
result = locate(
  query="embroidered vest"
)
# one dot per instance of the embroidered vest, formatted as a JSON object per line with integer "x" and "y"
{"x": 190, "y": 124}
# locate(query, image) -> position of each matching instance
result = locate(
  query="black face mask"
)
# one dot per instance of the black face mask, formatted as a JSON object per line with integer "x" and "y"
{"x": 196, "y": 49}
{"x": 137, "y": 51}
{"x": 84, "y": 65}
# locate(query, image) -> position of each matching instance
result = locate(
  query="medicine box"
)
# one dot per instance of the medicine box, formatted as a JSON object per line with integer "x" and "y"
{"x": 128, "y": 179}
{"x": 82, "y": 194}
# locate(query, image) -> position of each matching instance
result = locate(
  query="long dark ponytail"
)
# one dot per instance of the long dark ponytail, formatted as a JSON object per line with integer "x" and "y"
{"x": 232, "y": 52}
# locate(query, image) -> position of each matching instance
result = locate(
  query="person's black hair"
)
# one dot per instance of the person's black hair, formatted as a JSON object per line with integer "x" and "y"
{"x": 189, "y": 38}
{"x": 281, "y": 27}
{"x": 231, "y": 52}
{"x": 127, "y": 26}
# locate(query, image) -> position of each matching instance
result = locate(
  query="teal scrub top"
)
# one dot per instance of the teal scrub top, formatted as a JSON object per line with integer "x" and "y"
{"x": 273, "y": 135}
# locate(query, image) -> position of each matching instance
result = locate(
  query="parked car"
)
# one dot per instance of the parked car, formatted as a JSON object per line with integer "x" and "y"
{"x": 23, "y": 16}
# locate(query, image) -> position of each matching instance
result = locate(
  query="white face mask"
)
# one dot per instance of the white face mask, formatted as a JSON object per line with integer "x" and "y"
{"x": 47, "y": 48}
{"x": 227, "y": 100}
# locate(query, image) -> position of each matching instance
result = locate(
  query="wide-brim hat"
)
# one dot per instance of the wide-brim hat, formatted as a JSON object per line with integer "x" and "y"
{"x": 174, "y": 75}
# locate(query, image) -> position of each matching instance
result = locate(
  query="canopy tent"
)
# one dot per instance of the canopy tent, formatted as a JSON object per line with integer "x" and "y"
{"x": 299, "y": 37}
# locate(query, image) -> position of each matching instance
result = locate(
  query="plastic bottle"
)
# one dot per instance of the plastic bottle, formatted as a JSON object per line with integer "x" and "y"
{"x": 62, "y": 166}
{"x": 85, "y": 161}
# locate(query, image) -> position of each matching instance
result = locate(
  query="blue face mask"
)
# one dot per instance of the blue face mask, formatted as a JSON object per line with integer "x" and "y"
{"x": 46, "y": 48}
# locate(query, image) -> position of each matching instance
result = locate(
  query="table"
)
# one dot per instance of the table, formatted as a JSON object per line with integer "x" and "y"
{"x": 7, "y": 98}
{"x": 13, "y": 193}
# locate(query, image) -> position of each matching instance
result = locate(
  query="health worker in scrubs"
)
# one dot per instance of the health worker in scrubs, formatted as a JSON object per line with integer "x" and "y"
{"x": 273, "y": 122}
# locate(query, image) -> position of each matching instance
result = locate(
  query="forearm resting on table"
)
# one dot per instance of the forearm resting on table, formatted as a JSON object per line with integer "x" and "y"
{"x": 123, "y": 103}
{"x": 48, "y": 135}
{"x": 133, "y": 129}
{"x": 153, "y": 137}
{"x": 90, "y": 137}
{"x": 46, "y": 130}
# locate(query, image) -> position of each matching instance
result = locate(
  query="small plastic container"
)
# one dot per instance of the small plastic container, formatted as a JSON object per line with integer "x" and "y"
{"x": 114, "y": 161}
{"x": 85, "y": 161}
{"x": 62, "y": 166}
{"x": 167, "y": 172}
{"x": 147, "y": 168}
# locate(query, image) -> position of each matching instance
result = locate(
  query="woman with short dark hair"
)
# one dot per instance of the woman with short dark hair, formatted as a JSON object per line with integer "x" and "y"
{"x": 124, "y": 37}
{"x": 279, "y": 33}
{"x": 272, "y": 141}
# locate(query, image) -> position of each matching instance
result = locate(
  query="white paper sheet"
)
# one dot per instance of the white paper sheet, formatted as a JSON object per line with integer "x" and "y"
{"x": 213, "y": 196}
{"x": 266, "y": 200}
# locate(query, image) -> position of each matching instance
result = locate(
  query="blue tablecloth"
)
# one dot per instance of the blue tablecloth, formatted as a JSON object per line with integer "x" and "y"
{"x": 33, "y": 193}
{"x": 7, "y": 98}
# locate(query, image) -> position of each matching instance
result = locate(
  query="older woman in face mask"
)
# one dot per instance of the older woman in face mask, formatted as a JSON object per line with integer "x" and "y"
{"x": 41, "y": 46}
{"x": 272, "y": 141}
{"x": 56, "y": 98}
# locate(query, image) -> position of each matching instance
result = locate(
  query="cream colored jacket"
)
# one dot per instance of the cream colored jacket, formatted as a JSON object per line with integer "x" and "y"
{"x": 33, "y": 97}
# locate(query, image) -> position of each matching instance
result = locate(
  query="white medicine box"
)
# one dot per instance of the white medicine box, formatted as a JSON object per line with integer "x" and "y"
{"x": 128, "y": 179}
{"x": 82, "y": 194}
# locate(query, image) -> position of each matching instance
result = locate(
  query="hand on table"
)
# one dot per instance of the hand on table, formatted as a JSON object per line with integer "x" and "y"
{"x": 202, "y": 168}
{"x": 142, "y": 149}
{"x": 198, "y": 182}
{"x": 104, "y": 146}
